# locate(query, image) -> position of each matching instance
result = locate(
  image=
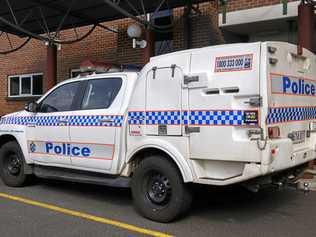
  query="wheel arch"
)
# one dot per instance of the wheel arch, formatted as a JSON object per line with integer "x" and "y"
{"x": 142, "y": 152}
{"x": 7, "y": 138}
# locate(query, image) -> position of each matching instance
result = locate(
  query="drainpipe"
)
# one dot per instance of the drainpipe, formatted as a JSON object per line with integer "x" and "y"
{"x": 306, "y": 27}
{"x": 51, "y": 66}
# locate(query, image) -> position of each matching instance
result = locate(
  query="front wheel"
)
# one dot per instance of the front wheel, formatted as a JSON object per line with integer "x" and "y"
{"x": 158, "y": 190}
{"x": 12, "y": 165}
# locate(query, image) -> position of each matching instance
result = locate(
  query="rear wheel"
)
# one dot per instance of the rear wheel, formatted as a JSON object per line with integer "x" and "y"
{"x": 12, "y": 165}
{"x": 158, "y": 190}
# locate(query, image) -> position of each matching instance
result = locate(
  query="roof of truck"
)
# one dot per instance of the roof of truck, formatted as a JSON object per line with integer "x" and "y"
{"x": 186, "y": 51}
{"x": 98, "y": 75}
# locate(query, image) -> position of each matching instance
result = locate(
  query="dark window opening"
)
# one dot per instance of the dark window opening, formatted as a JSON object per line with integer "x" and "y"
{"x": 61, "y": 99}
{"x": 100, "y": 93}
{"x": 25, "y": 85}
{"x": 14, "y": 86}
{"x": 163, "y": 40}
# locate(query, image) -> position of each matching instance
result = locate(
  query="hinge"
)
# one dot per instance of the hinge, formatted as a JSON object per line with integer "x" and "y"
{"x": 189, "y": 79}
{"x": 255, "y": 101}
{"x": 189, "y": 130}
{"x": 173, "y": 68}
{"x": 154, "y": 72}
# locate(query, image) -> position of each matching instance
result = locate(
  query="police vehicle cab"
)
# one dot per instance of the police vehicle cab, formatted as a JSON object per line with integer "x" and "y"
{"x": 220, "y": 115}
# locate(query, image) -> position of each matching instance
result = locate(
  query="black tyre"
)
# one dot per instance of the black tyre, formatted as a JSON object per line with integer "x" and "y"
{"x": 158, "y": 190}
{"x": 12, "y": 165}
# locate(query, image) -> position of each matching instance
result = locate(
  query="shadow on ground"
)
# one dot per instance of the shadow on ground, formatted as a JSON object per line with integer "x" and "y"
{"x": 232, "y": 203}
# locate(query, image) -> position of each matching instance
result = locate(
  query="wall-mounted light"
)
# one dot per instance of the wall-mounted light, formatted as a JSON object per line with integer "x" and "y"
{"x": 134, "y": 31}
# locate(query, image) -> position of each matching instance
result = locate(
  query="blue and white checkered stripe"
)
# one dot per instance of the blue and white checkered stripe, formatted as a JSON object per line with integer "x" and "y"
{"x": 96, "y": 120}
{"x": 213, "y": 118}
{"x": 45, "y": 120}
{"x": 163, "y": 117}
{"x": 196, "y": 117}
{"x": 288, "y": 114}
{"x": 136, "y": 117}
{"x": 154, "y": 117}
{"x": 77, "y": 120}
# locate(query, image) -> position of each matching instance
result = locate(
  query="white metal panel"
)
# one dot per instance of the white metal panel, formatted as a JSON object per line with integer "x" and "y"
{"x": 291, "y": 99}
{"x": 38, "y": 137}
{"x": 163, "y": 101}
{"x": 258, "y": 14}
{"x": 234, "y": 84}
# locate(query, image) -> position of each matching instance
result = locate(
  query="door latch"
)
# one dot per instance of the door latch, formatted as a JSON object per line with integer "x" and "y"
{"x": 255, "y": 101}
{"x": 189, "y": 130}
{"x": 189, "y": 79}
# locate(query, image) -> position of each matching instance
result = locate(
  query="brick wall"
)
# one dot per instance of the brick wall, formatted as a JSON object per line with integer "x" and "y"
{"x": 205, "y": 31}
{"x": 234, "y": 5}
{"x": 100, "y": 45}
{"x": 30, "y": 59}
{"x": 104, "y": 45}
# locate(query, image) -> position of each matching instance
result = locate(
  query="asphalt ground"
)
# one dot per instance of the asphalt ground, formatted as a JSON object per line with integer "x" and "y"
{"x": 54, "y": 208}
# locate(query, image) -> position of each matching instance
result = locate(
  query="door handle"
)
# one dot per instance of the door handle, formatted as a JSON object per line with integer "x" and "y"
{"x": 31, "y": 124}
{"x": 62, "y": 122}
{"x": 106, "y": 120}
{"x": 189, "y": 130}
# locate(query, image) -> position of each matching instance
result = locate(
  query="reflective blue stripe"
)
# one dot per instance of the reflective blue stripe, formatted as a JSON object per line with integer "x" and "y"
{"x": 77, "y": 120}
{"x": 288, "y": 114}
{"x": 194, "y": 117}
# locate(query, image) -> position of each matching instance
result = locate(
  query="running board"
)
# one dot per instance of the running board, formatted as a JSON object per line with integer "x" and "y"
{"x": 80, "y": 176}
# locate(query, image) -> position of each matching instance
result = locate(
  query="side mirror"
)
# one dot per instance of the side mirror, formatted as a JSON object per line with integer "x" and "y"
{"x": 31, "y": 107}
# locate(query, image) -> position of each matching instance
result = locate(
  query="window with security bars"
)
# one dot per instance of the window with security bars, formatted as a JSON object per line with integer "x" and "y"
{"x": 163, "y": 40}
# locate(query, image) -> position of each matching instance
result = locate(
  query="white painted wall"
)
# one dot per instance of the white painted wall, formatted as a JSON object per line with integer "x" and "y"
{"x": 257, "y": 14}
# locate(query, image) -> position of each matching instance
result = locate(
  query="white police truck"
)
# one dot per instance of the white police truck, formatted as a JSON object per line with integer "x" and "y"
{"x": 220, "y": 115}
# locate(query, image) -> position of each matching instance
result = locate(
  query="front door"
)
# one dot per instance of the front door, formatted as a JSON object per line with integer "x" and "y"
{"x": 97, "y": 126}
{"x": 48, "y": 129}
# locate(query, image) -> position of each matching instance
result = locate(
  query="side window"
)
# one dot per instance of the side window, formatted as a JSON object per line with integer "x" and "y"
{"x": 100, "y": 93}
{"x": 61, "y": 99}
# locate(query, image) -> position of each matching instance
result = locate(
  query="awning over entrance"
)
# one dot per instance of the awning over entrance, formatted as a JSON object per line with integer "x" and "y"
{"x": 263, "y": 23}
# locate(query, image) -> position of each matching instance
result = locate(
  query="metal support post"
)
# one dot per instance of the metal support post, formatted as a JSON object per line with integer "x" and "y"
{"x": 149, "y": 51}
{"x": 306, "y": 26}
{"x": 51, "y": 65}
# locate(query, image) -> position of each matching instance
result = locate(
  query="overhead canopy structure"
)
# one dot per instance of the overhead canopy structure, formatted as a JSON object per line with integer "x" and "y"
{"x": 44, "y": 19}
{"x": 43, "y": 16}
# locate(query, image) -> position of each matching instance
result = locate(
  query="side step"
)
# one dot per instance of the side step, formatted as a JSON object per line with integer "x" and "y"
{"x": 80, "y": 176}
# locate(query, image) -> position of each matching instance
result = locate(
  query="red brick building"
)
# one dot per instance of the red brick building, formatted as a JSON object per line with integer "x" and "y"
{"x": 22, "y": 73}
